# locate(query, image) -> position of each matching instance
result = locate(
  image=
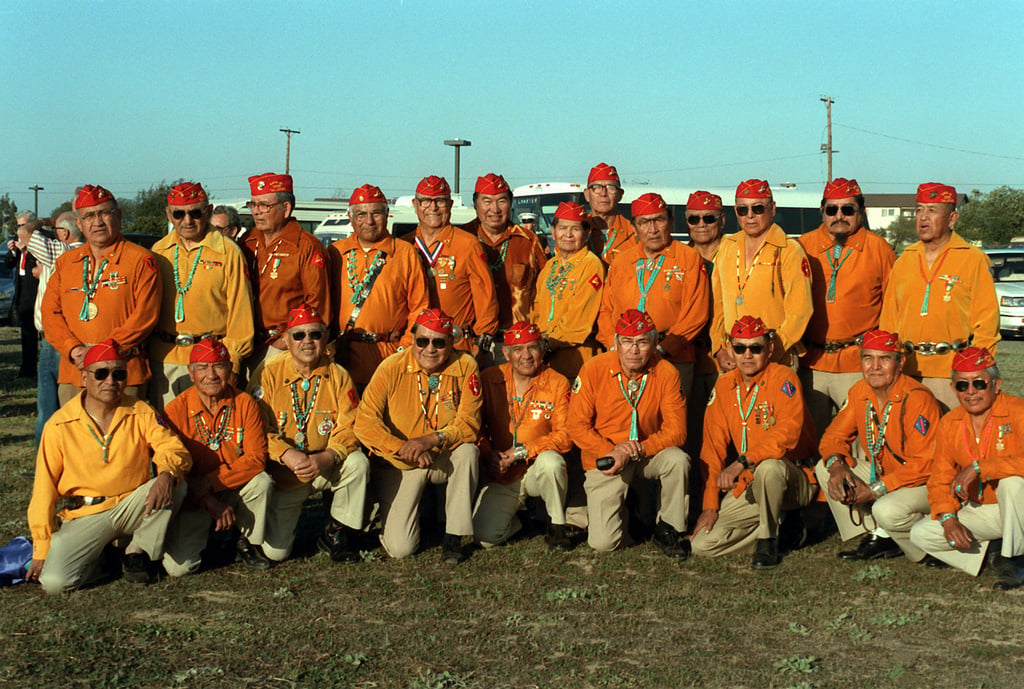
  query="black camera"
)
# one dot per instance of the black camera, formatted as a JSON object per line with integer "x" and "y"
{"x": 605, "y": 463}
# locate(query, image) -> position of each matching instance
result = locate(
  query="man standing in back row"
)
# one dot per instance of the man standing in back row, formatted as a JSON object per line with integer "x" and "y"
{"x": 611, "y": 233}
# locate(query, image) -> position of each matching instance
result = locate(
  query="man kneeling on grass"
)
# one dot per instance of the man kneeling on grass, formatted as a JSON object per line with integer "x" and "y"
{"x": 96, "y": 456}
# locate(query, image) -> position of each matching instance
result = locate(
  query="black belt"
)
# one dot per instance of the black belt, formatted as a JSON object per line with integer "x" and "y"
{"x": 832, "y": 346}
{"x": 184, "y": 339}
{"x": 75, "y": 502}
{"x": 369, "y": 337}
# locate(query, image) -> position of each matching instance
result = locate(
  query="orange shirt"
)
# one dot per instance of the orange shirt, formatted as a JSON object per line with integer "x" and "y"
{"x": 71, "y": 462}
{"x": 537, "y": 421}
{"x": 600, "y": 415}
{"x": 398, "y": 404}
{"x": 237, "y": 431}
{"x": 289, "y": 272}
{"x": 515, "y": 259}
{"x": 397, "y": 297}
{"x": 961, "y": 274}
{"x": 906, "y": 455}
{"x": 126, "y": 305}
{"x": 999, "y": 451}
{"x": 607, "y": 240}
{"x": 677, "y": 296}
{"x": 776, "y": 288}
{"x": 861, "y": 275}
{"x": 778, "y": 425}
{"x": 569, "y": 297}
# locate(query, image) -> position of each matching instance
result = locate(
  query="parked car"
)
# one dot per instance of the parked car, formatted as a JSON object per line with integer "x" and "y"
{"x": 1008, "y": 273}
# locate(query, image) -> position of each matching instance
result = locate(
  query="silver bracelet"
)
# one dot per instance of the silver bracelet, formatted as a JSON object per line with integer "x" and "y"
{"x": 878, "y": 489}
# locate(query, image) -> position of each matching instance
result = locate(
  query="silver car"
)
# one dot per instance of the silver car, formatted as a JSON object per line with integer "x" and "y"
{"x": 1008, "y": 273}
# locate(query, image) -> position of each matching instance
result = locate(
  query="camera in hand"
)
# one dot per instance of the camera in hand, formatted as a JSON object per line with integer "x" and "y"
{"x": 605, "y": 463}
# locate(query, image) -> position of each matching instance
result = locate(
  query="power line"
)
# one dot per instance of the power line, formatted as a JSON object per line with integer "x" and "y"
{"x": 928, "y": 144}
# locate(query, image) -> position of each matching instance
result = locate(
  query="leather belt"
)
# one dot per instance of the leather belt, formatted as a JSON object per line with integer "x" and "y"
{"x": 186, "y": 340}
{"x": 74, "y": 502}
{"x": 936, "y": 348}
{"x": 833, "y": 346}
{"x": 369, "y": 337}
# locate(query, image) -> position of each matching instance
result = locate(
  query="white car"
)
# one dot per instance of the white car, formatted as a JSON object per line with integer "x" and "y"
{"x": 1008, "y": 273}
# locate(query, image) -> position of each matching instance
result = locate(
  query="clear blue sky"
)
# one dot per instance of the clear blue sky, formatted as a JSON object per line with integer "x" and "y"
{"x": 127, "y": 94}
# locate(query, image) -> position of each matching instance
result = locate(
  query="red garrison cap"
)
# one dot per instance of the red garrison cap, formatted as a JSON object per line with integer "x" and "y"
{"x": 433, "y": 187}
{"x": 648, "y": 204}
{"x": 934, "y": 192}
{"x": 567, "y": 210}
{"x": 633, "y": 323}
{"x": 602, "y": 172}
{"x": 973, "y": 359}
{"x": 841, "y": 188}
{"x": 90, "y": 195}
{"x": 269, "y": 183}
{"x": 881, "y": 341}
{"x": 704, "y": 201}
{"x": 491, "y": 184}
{"x": 436, "y": 320}
{"x": 367, "y": 194}
{"x": 748, "y": 327}
{"x": 209, "y": 351}
{"x": 304, "y": 315}
{"x": 754, "y": 189}
{"x": 521, "y": 333}
{"x": 108, "y": 350}
{"x": 186, "y": 194}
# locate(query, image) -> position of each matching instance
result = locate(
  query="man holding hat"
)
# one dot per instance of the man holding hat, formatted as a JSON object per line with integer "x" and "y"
{"x": 97, "y": 456}
{"x": 523, "y": 440}
{"x": 287, "y": 265}
{"x": 850, "y": 268}
{"x": 663, "y": 278}
{"x": 420, "y": 417}
{"x": 206, "y": 293}
{"x": 227, "y": 486}
{"x": 458, "y": 278}
{"x": 309, "y": 406}
{"x": 760, "y": 272}
{"x": 756, "y": 417}
{"x": 569, "y": 290}
{"x": 881, "y": 493}
{"x": 628, "y": 418}
{"x": 941, "y": 297}
{"x": 380, "y": 287}
{"x": 108, "y": 288}
{"x": 611, "y": 232}
{"x": 976, "y": 489}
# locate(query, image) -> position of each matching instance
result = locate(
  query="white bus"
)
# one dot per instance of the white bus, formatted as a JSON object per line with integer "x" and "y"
{"x": 309, "y": 214}
{"x": 401, "y": 220}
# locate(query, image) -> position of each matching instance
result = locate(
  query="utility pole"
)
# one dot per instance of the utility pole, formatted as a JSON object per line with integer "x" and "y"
{"x": 288, "y": 147}
{"x": 457, "y": 143}
{"x": 36, "y": 189}
{"x": 827, "y": 148}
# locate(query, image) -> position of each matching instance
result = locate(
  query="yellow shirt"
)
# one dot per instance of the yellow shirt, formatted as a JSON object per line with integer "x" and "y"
{"x": 569, "y": 297}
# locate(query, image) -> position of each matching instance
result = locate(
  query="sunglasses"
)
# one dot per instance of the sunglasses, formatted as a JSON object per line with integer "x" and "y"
{"x": 759, "y": 209}
{"x": 194, "y": 213}
{"x": 119, "y": 374}
{"x": 977, "y": 384}
{"x": 708, "y": 219}
{"x": 847, "y": 210}
{"x": 300, "y": 335}
{"x": 742, "y": 348}
{"x": 438, "y": 342}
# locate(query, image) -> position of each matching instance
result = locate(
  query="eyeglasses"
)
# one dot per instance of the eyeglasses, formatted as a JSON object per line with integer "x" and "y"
{"x": 438, "y": 342}
{"x": 847, "y": 210}
{"x": 105, "y": 214}
{"x": 641, "y": 343}
{"x": 742, "y": 348}
{"x": 604, "y": 188}
{"x": 708, "y": 219}
{"x": 194, "y": 213}
{"x": 433, "y": 200}
{"x": 262, "y": 206}
{"x": 118, "y": 374}
{"x": 660, "y": 220}
{"x": 759, "y": 209}
{"x": 300, "y": 335}
{"x": 977, "y": 384}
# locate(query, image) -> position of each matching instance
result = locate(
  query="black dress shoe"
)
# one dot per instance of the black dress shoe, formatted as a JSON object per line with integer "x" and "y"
{"x": 252, "y": 555}
{"x": 933, "y": 562}
{"x": 451, "y": 550}
{"x": 1009, "y": 572}
{"x": 558, "y": 539}
{"x": 137, "y": 568}
{"x": 872, "y": 547}
{"x": 766, "y": 554}
{"x": 671, "y": 542}
{"x": 339, "y": 541}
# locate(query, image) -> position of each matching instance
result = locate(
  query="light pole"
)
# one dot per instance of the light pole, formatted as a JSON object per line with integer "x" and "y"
{"x": 288, "y": 148}
{"x": 36, "y": 189}
{"x": 457, "y": 143}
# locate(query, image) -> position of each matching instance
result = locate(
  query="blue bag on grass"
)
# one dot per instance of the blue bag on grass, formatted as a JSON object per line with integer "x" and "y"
{"x": 15, "y": 558}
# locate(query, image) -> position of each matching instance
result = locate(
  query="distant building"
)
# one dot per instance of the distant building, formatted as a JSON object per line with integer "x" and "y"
{"x": 883, "y": 209}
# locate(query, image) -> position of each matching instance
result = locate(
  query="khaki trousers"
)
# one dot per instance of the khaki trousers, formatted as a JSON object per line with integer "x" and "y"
{"x": 825, "y": 393}
{"x": 942, "y": 388}
{"x": 348, "y": 483}
{"x": 76, "y": 546}
{"x": 167, "y": 382}
{"x": 189, "y": 530}
{"x": 66, "y": 391}
{"x": 495, "y": 520}
{"x": 778, "y": 485}
{"x": 606, "y": 496}
{"x": 400, "y": 491}
{"x": 985, "y": 522}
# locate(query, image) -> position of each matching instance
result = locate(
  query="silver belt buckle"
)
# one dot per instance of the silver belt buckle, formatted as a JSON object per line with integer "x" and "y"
{"x": 941, "y": 348}
{"x": 90, "y": 500}
{"x": 184, "y": 340}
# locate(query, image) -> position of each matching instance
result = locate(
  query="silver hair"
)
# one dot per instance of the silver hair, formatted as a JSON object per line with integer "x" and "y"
{"x": 29, "y": 216}
{"x": 66, "y": 221}
{"x": 231, "y": 212}
{"x": 992, "y": 371}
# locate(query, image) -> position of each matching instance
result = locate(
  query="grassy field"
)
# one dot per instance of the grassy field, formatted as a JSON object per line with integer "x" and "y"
{"x": 516, "y": 616}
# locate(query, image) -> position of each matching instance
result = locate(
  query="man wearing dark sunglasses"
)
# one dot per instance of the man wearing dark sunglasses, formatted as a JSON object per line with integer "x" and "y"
{"x": 309, "y": 408}
{"x": 850, "y": 268}
{"x": 976, "y": 488}
{"x": 206, "y": 294}
{"x": 760, "y": 272}
{"x": 881, "y": 493}
{"x": 95, "y": 464}
{"x": 420, "y": 418}
{"x": 757, "y": 434}
{"x": 611, "y": 232}
{"x": 941, "y": 296}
